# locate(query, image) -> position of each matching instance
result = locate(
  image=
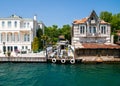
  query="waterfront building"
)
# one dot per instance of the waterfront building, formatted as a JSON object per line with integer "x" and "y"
{"x": 91, "y": 30}
{"x": 91, "y": 36}
{"x": 17, "y": 33}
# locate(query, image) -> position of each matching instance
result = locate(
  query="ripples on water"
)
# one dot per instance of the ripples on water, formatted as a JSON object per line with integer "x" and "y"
{"x": 42, "y": 74}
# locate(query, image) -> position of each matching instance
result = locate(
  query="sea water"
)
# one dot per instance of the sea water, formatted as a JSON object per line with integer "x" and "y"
{"x": 43, "y": 74}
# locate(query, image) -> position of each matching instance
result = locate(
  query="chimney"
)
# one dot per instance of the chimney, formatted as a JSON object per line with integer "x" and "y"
{"x": 35, "y": 17}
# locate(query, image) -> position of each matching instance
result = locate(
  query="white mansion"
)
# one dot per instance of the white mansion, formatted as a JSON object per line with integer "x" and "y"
{"x": 17, "y": 33}
{"x": 91, "y": 30}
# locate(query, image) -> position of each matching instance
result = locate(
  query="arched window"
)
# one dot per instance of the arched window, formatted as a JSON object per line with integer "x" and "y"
{"x": 15, "y": 23}
{"x": 3, "y": 24}
{"x": 28, "y": 25}
{"x": 9, "y": 24}
{"x": 24, "y": 25}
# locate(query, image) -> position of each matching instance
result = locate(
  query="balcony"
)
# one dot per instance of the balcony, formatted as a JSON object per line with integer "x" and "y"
{"x": 93, "y": 35}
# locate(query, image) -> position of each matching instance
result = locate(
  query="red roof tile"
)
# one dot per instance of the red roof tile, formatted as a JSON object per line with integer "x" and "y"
{"x": 80, "y": 21}
{"x": 103, "y": 22}
{"x": 96, "y": 45}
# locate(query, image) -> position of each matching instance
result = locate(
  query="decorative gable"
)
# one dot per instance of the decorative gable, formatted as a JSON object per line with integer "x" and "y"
{"x": 93, "y": 18}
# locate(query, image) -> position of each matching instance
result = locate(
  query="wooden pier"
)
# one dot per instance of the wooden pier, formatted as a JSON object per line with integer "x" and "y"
{"x": 23, "y": 59}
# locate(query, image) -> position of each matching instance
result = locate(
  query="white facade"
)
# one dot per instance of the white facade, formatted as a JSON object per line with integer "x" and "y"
{"x": 17, "y": 33}
{"x": 91, "y": 30}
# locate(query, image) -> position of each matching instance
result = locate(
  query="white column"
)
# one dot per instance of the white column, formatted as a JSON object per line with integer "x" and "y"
{"x": 5, "y": 37}
{"x": 19, "y": 37}
{"x": 13, "y": 37}
{"x": 106, "y": 30}
{"x": 0, "y": 37}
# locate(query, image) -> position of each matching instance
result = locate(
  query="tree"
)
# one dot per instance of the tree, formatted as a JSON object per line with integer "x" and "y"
{"x": 66, "y": 31}
{"x": 45, "y": 39}
{"x": 35, "y": 44}
{"x": 114, "y": 20}
{"x": 106, "y": 16}
{"x": 39, "y": 34}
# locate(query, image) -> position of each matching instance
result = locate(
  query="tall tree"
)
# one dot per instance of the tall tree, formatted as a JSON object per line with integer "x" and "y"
{"x": 39, "y": 34}
{"x": 35, "y": 44}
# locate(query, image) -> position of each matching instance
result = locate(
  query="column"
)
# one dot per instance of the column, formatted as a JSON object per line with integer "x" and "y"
{"x": 106, "y": 30}
{"x": 19, "y": 34}
{"x": 0, "y": 37}
{"x": 30, "y": 36}
{"x": 5, "y": 37}
{"x": 13, "y": 37}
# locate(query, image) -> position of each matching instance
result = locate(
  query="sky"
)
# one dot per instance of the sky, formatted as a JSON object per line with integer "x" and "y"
{"x": 57, "y": 12}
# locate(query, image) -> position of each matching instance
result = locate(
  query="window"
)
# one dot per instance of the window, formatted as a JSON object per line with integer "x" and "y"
{"x": 92, "y": 18}
{"x": 94, "y": 29}
{"x": 22, "y": 47}
{"x": 103, "y": 30}
{"x": 90, "y": 30}
{"x": 28, "y": 37}
{"x": 9, "y": 24}
{"x": 26, "y": 47}
{"x": 82, "y": 29}
{"x": 24, "y": 25}
{"x": 25, "y": 37}
{"x": 3, "y": 24}
{"x": 15, "y": 23}
{"x": 28, "y": 25}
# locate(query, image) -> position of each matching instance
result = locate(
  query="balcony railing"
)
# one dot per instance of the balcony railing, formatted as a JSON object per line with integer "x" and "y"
{"x": 93, "y": 34}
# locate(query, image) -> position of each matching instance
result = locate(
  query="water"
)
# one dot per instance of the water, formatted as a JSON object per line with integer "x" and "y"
{"x": 42, "y": 74}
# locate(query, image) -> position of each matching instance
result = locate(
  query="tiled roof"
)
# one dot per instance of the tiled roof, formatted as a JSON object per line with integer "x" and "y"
{"x": 118, "y": 32}
{"x": 103, "y": 22}
{"x": 80, "y": 21}
{"x": 98, "y": 45}
{"x": 85, "y": 19}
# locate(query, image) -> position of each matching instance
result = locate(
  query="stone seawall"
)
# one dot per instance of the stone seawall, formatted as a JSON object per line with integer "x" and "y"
{"x": 101, "y": 59}
{"x": 23, "y": 59}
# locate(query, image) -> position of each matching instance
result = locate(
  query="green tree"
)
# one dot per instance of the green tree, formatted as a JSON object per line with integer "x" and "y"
{"x": 106, "y": 16}
{"x": 35, "y": 44}
{"x": 114, "y": 20}
{"x": 45, "y": 39}
{"x": 39, "y": 34}
{"x": 66, "y": 31}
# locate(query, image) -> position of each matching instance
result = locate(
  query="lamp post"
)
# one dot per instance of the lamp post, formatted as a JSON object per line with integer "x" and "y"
{"x": 4, "y": 48}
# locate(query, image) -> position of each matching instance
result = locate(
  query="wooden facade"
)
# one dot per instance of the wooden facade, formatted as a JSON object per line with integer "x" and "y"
{"x": 115, "y": 52}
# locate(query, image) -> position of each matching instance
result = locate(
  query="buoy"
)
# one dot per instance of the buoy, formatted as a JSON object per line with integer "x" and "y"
{"x": 63, "y": 60}
{"x": 54, "y": 60}
{"x": 72, "y": 61}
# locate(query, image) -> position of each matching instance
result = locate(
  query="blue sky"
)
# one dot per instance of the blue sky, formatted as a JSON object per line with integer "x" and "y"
{"x": 58, "y": 12}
